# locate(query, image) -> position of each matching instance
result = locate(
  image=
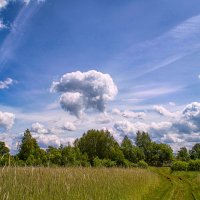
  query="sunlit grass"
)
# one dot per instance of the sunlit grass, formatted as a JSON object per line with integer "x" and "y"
{"x": 76, "y": 183}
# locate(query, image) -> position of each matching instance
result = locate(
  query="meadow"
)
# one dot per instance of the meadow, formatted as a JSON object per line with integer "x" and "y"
{"x": 39, "y": 183}
{"x": 75, "y": 183}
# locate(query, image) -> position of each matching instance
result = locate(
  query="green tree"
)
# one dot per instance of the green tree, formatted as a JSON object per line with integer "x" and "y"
{"x": 5, "y": 157}
{"x": 4, "y": 150}
{"x": 54, "y": 155}
{"x": 160, "y": 154}
{"x": 72, "y": 156}
{"x": 131, "y": 152}
{"x": 30, "y": 152}
{"x": 166, "y": 154}
{"x": 101, "y": 144}
{"x": 155, "y": 154}
{"x": 195, "y": 152}
{"x": 143, "y": 141}
{"x": 183, "y": 154}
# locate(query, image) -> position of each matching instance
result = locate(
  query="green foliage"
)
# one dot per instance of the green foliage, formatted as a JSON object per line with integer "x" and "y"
{"x": 154, "y": 154}
{"x": 159, "y": 154}
{"x": 72, "y": 156}
{"x": 195, "y": 152}
{"x": 143, "y": 140}
{"x": 131, "y": 152}
{"x": 194, "y": 165}
{"x": 3, "y": 149}
{"x": 103, "y": 163}
{"x": 183, "y": 154}
{"x": 5, "y": 158}
{"x": 54, "y": 155}
{"x": 179, "y": 166}
{"x": 98, "y": 148}
{"x": 142, "y": 164}
{"x": 30, "y": 152}
{"x": 127, "y": 164}
{"x": 99, "y": 143}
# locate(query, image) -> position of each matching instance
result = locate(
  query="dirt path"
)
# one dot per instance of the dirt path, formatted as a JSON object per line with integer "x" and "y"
{"x": 173, "y": 187}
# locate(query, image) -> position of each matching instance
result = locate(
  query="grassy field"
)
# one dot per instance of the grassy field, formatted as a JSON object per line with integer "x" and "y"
{"x": 97, "y": 184}
{"x": 76, "y": 183}
{"x": 176, "y": 185}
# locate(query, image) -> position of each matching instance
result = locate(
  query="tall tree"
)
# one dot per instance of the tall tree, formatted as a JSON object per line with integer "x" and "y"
{"x": 99, "y": 143}
{"x": 183, "y": 154}
{"x": 126, "y": 143}
{"x": 143, "y": 141}
{"x": 160, "y": 154}
{"x": 30, "y": 151}
{"x": 4, "y": 150}
{"x": 131, "y": 152}
{"x": 195, "y": 151}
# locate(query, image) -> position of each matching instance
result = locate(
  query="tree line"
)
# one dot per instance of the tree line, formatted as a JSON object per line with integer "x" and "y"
{"x": 97, "y": 148}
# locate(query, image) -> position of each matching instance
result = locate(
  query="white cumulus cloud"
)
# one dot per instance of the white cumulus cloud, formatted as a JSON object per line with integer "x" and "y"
{"x": 134, "y": 115}
{"x": 163, "y": 111}
{"x": 127, "y": 128}
{"x": 6, "y": 83}
{"x": 68, "y": 126}
{"x": 129, "y": 114}
{"x": 192, "y": 113}
{"x": 82, "y": 91}
{"x": 39, "y": 128}
{"x": 103, "y": 119}
{"x": 6, "y": 120}
{"x": 52, "y": 140}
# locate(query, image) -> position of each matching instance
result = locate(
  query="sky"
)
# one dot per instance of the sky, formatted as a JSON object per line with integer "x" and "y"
{"x": 69, "y": 66}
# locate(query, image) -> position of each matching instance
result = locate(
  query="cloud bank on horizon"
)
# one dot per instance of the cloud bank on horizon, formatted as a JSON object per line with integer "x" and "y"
{"x": 145, "y": 75}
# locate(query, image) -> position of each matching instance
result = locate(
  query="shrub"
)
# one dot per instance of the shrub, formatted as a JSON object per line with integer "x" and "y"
{"x": 179, "y": 166}
{"x": 97, "y": 162}
{"x": 134, "y": 165}
{"x": 126, "y": 163}
{"x": 20, "y": 163}
{"x": 103, "y": 162}
{"x": 194, "y": 165}
{"x": 142, "y": 164}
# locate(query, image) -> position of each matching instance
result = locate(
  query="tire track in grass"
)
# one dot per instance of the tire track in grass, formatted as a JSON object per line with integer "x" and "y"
{"x": 172, "y": 187}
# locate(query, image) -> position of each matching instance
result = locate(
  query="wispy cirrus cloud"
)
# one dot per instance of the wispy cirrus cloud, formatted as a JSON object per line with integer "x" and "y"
{"x": 4, "y": 3}
{"x": 152, "y": 55}
{"x": 15, "y": 36}
{"x": 149, "y": 93}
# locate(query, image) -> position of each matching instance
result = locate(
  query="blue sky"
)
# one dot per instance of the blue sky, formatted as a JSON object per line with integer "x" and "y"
{"x": 150, "y": 49}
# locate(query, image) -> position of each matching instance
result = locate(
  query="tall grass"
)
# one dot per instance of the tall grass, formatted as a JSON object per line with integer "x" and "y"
{"x": 75, "y": 183}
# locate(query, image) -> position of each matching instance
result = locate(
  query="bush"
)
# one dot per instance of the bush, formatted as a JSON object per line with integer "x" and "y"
{"x": 194, "y": 165}
{"x": 142, "y": 164}
{"x": 134, "y": 165}
{"x": 179, "y": 166}
{"x": 103, "y": 162}
{"x": 126, "y": 163}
